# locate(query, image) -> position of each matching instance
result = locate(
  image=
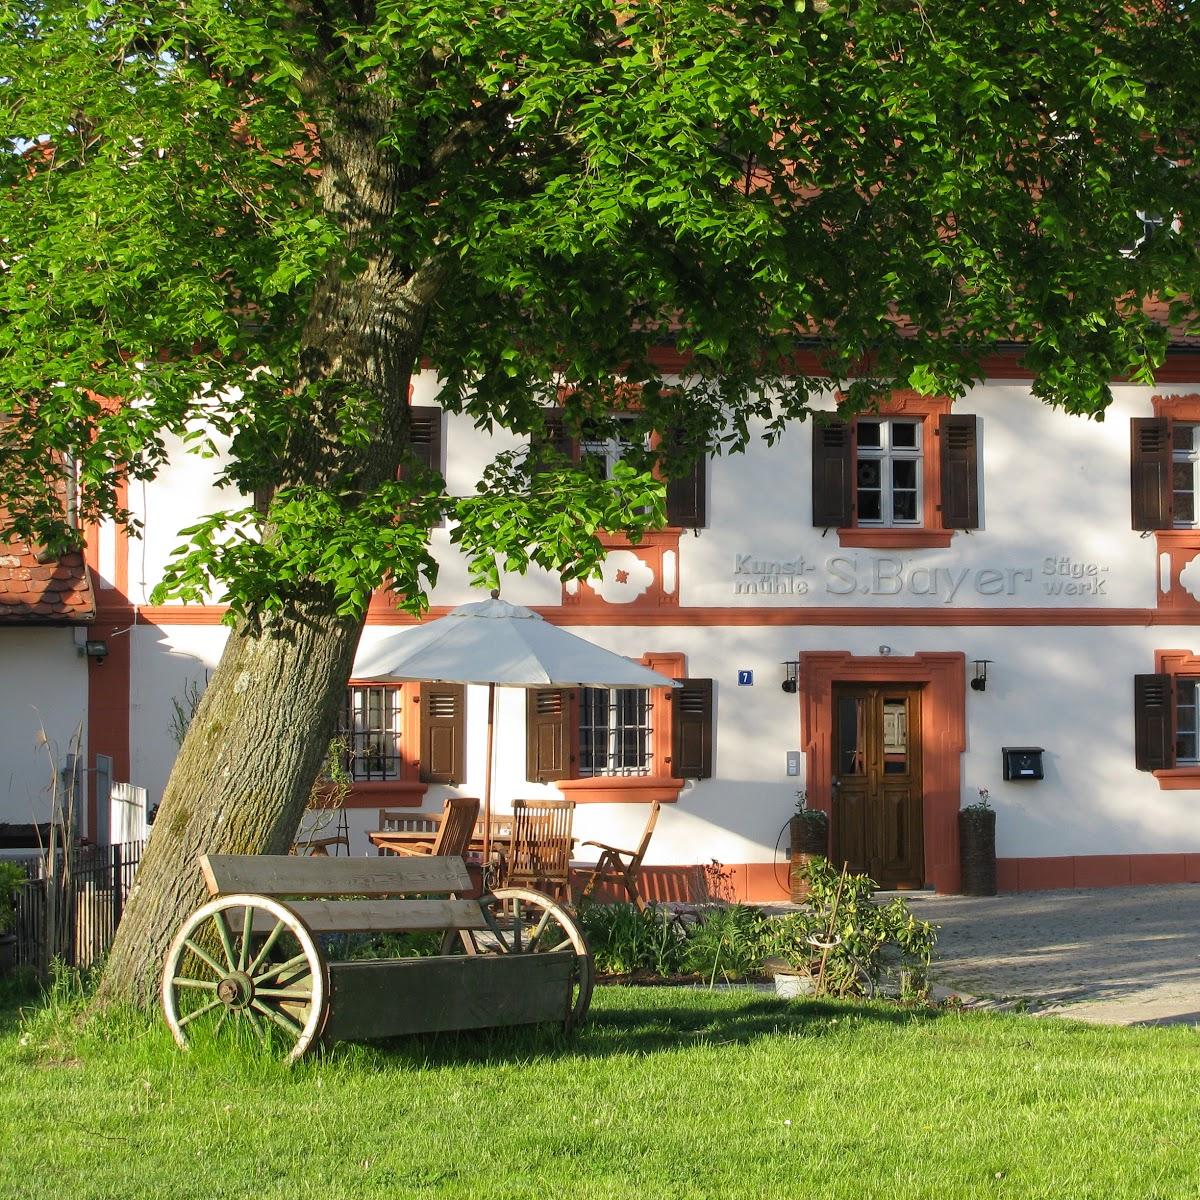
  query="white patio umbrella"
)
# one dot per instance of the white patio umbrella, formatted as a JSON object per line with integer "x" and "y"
{"x": 497, "y": 643}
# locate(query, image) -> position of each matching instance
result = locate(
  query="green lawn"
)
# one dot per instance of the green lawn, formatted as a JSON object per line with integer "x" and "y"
{"x": 667, "y": 1092}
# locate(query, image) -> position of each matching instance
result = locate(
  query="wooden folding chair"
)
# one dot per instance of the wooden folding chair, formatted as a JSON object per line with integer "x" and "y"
{"x": 623, "y": 867}
{"x": 453, "y": 834}
{"x": 541, "y": 846}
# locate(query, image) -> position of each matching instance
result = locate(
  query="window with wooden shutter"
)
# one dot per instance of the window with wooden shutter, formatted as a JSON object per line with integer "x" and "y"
{"x": 959, "y": 438}
{"x": 443, "y": 730}
{"x": 549, "y": 726}
{"x": 425, "y": 435}
{"x": 687, "y": 500}
{"x": 832, "y": 475}
{"x": 692, "y": 729}
{"x": 1150, "y": 472}
{"x": 554, "y": 437}
{"x": 1153, "y": 725}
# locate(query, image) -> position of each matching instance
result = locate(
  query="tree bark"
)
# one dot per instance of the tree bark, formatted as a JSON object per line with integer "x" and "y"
{"x": 240, "y": 783}
{"x": 247, "y": 764}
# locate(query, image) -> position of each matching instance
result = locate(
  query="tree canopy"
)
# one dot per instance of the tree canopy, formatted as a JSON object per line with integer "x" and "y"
{"x": 252, "y": 221}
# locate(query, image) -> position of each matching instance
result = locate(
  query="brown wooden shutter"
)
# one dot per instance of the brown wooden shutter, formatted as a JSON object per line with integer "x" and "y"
{"x": 443, "y": 732}
{"x": 1153, "y": 723}
{"x": 959, "y": 437}
{"x": 1150, "y": 472}
{"x": 425, "y": 435}
{"x": 549, "y": 713}
{"x": 692, "y": 729}
{"x": 832, "y": 475}
{"x": 686, "y": 496}
{"x": 553, "y": 436}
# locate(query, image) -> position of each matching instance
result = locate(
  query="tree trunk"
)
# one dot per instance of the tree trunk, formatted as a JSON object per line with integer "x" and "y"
{"x": 247, "y": 765}
{"x": 240, "y": 783}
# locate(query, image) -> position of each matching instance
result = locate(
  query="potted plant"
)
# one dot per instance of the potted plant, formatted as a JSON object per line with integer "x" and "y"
{"x": 977, "y": 846}
{"x": 809, "y": 839}
{"x": 12, "y": 876}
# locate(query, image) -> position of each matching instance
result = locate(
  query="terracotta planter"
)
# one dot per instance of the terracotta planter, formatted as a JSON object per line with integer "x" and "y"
{"x": 977, "y": 851}
{"x": 809, "y": 839}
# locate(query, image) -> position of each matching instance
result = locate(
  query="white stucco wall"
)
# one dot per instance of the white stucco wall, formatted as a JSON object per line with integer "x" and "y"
{"x": 1054, "y": 496}
{"x": 44, "y": 686}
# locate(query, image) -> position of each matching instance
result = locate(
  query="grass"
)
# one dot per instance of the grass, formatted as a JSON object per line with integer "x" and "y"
{"x": 667, "y": 1093}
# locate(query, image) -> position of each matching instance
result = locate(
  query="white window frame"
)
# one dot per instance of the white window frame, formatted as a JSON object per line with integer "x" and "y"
{"x": 1187, "y": 717}
{"x": 610, "y": 450}
{"x": 1192, "y": 457}
{"x": 886, "y": 454}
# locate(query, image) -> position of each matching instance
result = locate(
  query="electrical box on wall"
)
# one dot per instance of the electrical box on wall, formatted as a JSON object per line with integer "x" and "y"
{"x": 1023, "y": 762}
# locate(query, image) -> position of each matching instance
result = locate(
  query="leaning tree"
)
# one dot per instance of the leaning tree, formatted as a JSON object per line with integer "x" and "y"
{"x": 246, "y": 225}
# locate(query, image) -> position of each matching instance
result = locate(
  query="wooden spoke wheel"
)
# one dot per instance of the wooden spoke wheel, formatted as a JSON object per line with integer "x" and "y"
{"x": 246, "y": 962}
{"x": 523, "y": 921}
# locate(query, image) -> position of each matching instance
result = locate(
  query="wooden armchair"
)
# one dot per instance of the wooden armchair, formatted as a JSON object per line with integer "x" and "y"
{"x": 622, "y": 867}
{"x": 541, "y": 846}
{"x": 402, "y": 821}
{"x": 450, "y": 836}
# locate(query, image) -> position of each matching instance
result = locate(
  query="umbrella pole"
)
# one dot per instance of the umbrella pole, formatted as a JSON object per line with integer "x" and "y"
{"x": 487, "y": 784}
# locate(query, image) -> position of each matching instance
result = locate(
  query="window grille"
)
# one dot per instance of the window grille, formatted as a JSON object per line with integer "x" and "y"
{"x": 370, "y": 727}
{"x": 615, "y": 735}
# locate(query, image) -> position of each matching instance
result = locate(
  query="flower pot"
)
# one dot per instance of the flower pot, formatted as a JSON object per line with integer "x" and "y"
{"x": 789, "y": 985}
{"x": 809, "y": 839}
{"x": 977, "y": 851}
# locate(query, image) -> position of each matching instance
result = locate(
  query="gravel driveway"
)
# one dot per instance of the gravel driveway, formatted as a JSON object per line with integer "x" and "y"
{"x": 1122, "y": 956}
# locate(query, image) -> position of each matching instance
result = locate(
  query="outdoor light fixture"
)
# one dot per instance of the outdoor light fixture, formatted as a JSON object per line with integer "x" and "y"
{"x": 979, "y": 683}
{"x": 96, "y": 649}
{"x": 791, "y": 681}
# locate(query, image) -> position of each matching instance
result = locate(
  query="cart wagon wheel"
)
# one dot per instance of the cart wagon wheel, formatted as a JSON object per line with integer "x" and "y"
{"x": 528, "y": 922}
{"x": 248, "y": 962}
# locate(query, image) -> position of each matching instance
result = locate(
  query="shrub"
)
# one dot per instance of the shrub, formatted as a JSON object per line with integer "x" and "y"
{"x": 624, "y": 940}
{"x": 728, "y": 941}
{"x": 868, "y": 938}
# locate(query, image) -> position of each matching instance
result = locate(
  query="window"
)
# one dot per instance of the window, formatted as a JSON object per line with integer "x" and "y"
{"x": 1184, "y": 457}
{"x": 1185, "y": 722}
{"x": 1166, "y": 720}
{"x": 622, "y": 744}
{"x": 686, "y": 494}
{"x": 615, "y": 736}
{"x": 399, "y": 737}
{"x": 603, "y": 453}
{"x": 905, "y": 477}
{"x": 888, "y": 472}
{"x": 370, "y": 727}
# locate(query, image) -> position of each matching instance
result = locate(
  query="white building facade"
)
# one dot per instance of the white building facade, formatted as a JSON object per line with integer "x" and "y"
{"x": 869, "y": 612}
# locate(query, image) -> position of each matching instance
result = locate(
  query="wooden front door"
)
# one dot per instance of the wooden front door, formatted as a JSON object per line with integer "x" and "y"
{"x": 877, "y": 783}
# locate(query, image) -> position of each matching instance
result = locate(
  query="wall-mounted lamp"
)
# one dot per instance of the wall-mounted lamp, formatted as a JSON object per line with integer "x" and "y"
{"x": 96, "y": 649}
{"x": 979, "y": 683}
{"x": 791, "y": 680}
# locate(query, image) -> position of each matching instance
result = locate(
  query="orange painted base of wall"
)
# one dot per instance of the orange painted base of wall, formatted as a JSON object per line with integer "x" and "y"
{"x": 1095, "y": 870}
{"x": 767, "y": 883}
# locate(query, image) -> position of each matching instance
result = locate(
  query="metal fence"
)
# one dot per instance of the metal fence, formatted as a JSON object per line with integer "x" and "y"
{"x": 72, "y": 913}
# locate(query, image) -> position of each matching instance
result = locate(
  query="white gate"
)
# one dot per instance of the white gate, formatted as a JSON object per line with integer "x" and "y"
{"x": 127, "y": 814}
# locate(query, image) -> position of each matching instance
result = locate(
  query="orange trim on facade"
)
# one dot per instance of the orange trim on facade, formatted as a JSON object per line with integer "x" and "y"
{"x": 943, "y": 739}
{"x": 1095, "y": 871}
{"x": 108, "y": 707}
{"x": 1181, "y": 545}
{"x": 734, "y": 617}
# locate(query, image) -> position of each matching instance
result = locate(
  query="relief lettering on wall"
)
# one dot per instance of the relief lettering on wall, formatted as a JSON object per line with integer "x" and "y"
{"x": 884, "y": 575}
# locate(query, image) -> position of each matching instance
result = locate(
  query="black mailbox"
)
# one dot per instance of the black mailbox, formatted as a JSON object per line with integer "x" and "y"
{"x": 1023, "y": 762}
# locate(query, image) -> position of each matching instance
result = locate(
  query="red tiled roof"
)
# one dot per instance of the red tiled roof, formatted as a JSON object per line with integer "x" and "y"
{"x": 37, "y": 592}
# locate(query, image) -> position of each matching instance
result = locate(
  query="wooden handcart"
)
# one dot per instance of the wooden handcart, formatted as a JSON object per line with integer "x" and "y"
{"x": 263, "y": 954}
